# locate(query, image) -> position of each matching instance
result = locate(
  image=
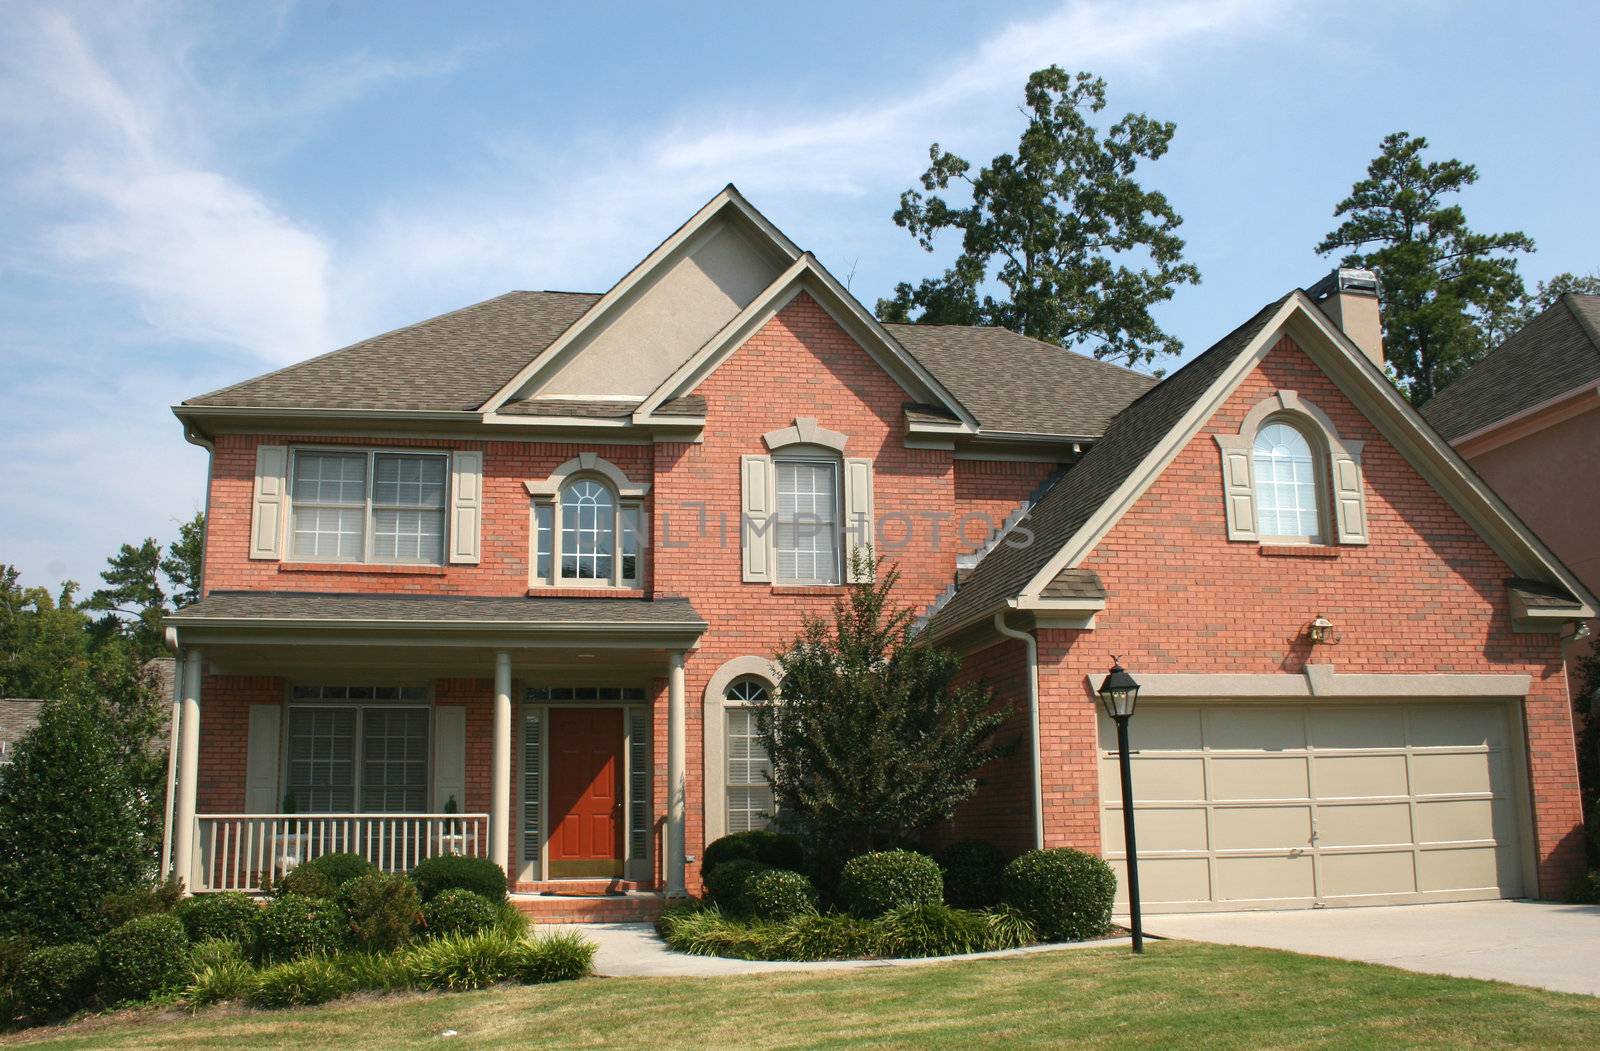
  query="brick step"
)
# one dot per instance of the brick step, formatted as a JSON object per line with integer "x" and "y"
{"x": 589, "y": 887}
{"x": 637, "y": 907}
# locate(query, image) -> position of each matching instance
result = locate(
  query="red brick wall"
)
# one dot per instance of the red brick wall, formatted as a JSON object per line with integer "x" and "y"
{"x": 1427, "y": 595}
{"x": 992, "y": 489}
{"x": 1002, "y": 810}
{"x": 225, "y": 702}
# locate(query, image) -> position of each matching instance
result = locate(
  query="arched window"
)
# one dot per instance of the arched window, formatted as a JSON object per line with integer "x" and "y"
{"x": 588, "y": 530}
{"x": 1288, "y": 494}
{"x": 588, "y": 525}
{"x": 749, "y": 795}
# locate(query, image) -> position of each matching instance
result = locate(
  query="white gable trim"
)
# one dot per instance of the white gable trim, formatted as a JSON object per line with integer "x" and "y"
{"x": 1355, "y": 375}
{"x": 664, "y": 254}
{"x": 809, "y": 276}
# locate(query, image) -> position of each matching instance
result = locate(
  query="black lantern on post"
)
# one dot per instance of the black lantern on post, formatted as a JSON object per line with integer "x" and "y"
{"x": 1118, "y": 695}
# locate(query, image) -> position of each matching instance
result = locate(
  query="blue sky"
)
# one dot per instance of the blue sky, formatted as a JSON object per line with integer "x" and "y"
{"x": 192, "y": 195}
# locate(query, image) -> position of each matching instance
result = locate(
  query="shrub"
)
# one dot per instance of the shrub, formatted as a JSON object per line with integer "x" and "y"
{"x": 778, "y": 894}
{"x": 294, "y": 926}
{"x": 306, "y": 882}
{"x": 560, "y": 957}
{"x": 510, "y": 920}
{"x": 339, "y": 868}
{"x": 873, "y": 884}
{"x": 149, "y": 899}
{"x": 831, "y": 937}
{"x": 1065, "y": 893}
{"x": 55, "y": 981}
{"x": 459, "y": 911}
{"x": 727, "y": 884}
{"x": 375, "y": 972}
{"x": 381, "y": 910}
{"x": 13, "y": 950}
{"x": 214, "y": 951}
{"x": 972, "y": 871}
{"x": 933, "y": 929}
{"x": 758, "y": 844}
{"x": 1585, "y": 889}
{"x": 707, "y": 931}
{"x": 230, "y": 915}
{"x": 299, "y": 983}
{"x": 143, "y": 958}
{"x": 455, "y": 871}
{"x": 219, "y": 973}
{"x": 460, "y": 962}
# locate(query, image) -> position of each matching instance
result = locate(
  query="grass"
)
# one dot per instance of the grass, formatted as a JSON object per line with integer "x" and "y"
{"x": 1180, "y": 994}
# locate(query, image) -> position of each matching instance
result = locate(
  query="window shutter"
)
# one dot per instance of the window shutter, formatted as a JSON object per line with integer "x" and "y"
{"x": 755, "y": 522}
{"x": 858, "y": 520}
{"x": 466, "y": 506}
{"x": 450, "y": 757}
{"x": 270, "y": 502}
{"x": 261, "y": 760}
{"x": 1349, "y": 496}
{"x": 1238, "y": 487}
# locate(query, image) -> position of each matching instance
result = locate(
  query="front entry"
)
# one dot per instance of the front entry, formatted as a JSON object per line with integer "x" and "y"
{"x": 586, "y": 760}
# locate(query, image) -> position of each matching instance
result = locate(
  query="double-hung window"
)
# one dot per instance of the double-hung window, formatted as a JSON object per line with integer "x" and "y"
{"x": 749, "y": 793}
{"x": 368, "y": 506}
{"x": 358, "y": 749}
{"x": 806, "y": 525}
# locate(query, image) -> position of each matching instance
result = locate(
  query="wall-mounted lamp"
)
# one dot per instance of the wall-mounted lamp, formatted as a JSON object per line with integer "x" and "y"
{"x": 1320, "y": 632}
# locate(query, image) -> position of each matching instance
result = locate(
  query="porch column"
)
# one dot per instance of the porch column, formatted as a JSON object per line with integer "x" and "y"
{"x": 677, "y": 803}
{"x": 188, "y": 772}
{"x": 172, "y": 766}
{"x": 500, "y": 768}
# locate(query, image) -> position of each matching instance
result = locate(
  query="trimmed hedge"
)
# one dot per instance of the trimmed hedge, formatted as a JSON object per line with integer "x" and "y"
{"x": 228, "y": 915}
{"x": 293, "y": 926}
{"x": 459, "y": 911}
{"x": 434, "y": 876}
{"x": 54, "y": 982}
{"x": 778, "y": 894}
{"x": 876, "y": 883}
{"x": 760, "y": 845}
{"x": 382, "y": 911}
{"x": 1065, "y": 893}
{"x": 972, "y": 872}
{"x": 143, "y": 958}
{"x": 728, "y": 882}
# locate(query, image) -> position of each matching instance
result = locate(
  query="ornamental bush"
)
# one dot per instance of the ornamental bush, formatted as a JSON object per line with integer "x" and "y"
{"x": 873, "y": 884}
{"x": 299, "y": 983}
{"x": 294, "y": 926}
{"x": 972, "y": 871}
{"x": 1585, "y": 889}
{"x": 229, "y": 915}
{"x": 769, "y": 848}
{"x": 148, "y": 899}
{"x": 778, "y": 894}
{"x": 1065, "y": 893}
{"x": 459, "y": 911}
{"x": 143, "y": 958}
{"x": 306, "y": 882}
{"x": 339, "y": 868}
{"x": 728, "y": 882}
{"x": 55, "y": 981}
{"x": 434, "y": 876}
{"x": 382, "y": 911}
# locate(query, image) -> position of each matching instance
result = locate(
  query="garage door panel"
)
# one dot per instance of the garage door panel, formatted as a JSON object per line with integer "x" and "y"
{"x": 1453, "y": 820}
{"x": 1157, "y": 778}
{"x": 1355, "y": 728}
{"x": 1363, "y": 824}
{"x": 1263, "y": 878}
{"x": 1255, "y": 729}
{"x": 1165, "y": 730}
{"x": 1459, "y": 868}
{"x": 1244, "y": 777}
{"x": 1166, "y": 881}
{"x": 1360, "y": 775}
{"x": 1175, "y": 828}
{"x": 1250, "y": 828}
{"x": 1456, "y": 726}
{"x": 1451, "y": 773}
{"x": 1368, "y": 873}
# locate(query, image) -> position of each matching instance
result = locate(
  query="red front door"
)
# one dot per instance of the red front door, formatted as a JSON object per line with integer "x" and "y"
{"x": 585, "y": 792}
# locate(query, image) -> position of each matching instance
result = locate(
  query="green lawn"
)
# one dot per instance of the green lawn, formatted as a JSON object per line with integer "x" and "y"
{"x": 1179, "y": 994}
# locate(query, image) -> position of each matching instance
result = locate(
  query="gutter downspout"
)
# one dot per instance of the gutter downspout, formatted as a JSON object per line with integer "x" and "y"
{"x": 1032, "y": 644}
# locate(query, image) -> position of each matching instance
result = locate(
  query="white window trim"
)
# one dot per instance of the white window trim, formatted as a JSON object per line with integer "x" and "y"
{"x": 627, "y": 497}
{"x": 286, "y": 733}
{"x": 800, "y": 455}
{"x": 1319, "y": 481}
{"x": 714, "y": 709}
{"x": 371, "y": 453}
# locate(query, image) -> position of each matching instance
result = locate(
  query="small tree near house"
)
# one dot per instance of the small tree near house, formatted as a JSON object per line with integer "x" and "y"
{"x": 872, "y": 741}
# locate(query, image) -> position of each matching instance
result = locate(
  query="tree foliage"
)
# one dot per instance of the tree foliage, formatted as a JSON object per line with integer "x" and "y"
{"x": 872, "y": 741}
{"x": 1063, "y": 223}
{"x": 1447, "y": 291}
{"x": 1542, "y": 298}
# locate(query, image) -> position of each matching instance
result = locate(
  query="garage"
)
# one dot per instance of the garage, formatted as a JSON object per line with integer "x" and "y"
{"x": 1310, "y": 804}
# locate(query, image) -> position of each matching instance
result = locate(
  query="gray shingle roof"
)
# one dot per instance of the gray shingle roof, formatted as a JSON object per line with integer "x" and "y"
{"x": 1132, "y": 435}
{"x": 1556, "y": 352}
{"x": 17, "y": 717}
{"x": 312, "y": 605}
{"x": 597, "y": 408}
{"x": 1075, "y": 583}
{"x": 1013, "y": 383}
{"x": 1537, "y": 594}
{"x": 455, "y": 361}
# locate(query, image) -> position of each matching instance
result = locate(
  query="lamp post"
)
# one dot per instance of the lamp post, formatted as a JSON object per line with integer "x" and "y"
{"x": 1118, "y": 695}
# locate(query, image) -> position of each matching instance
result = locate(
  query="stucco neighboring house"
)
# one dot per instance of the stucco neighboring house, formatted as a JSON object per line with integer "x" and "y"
{"x": 506, "y": 581}
{"x": 1527, "y": 418}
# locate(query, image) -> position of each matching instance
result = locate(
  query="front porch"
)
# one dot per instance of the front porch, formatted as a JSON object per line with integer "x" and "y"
{"x": 525, "y": 731}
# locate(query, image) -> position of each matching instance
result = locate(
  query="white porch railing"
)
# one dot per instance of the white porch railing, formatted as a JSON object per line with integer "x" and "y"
{"x": 247, "y": 852}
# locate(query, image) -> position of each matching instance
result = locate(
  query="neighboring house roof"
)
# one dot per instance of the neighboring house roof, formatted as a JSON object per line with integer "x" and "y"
{"x": 1014, "y": 383}
{"x": 17, "y": 717}
{"x": 1554, "y": 354}
{"x": 453, "y": 362}
{"x": 307, "y": 606}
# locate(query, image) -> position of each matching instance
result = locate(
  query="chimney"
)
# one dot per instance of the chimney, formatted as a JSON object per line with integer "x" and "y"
{"x": 1350, "y": 299}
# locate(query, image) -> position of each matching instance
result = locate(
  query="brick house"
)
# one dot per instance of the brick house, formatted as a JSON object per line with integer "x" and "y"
{"x": 506, "y": 581}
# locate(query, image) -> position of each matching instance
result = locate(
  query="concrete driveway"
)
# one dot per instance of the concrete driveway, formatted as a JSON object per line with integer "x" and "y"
{"x": 1536, "y": 943}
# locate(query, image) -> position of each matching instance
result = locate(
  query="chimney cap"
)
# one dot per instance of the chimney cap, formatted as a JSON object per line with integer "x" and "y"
{"x": 1345, "y": 279}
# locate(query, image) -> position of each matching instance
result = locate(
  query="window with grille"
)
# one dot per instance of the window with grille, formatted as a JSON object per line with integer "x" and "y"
{"x": 749, "y": 793}
{"x": 586, "y": 535}
{"x": 806, "y": 523}
{"x": 358, "y": 749}
{"x": 368, "y": 506}
{"x": 588, "y": 530}
{"x": 1286, "y": 484}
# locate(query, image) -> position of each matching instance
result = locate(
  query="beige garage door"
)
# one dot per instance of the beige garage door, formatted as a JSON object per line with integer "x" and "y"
{"x": 1307, "y": 804}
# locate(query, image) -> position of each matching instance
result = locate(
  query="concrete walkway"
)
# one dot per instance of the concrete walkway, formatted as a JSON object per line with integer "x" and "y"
{"x": 631, "y": 950}
{"x": 1542, "y": 944}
